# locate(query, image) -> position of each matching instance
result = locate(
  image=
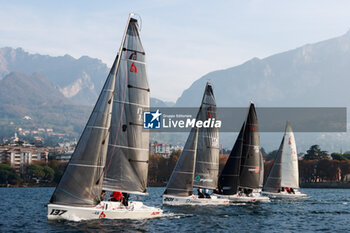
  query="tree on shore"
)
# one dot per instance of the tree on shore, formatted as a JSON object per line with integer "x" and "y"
{"x": 315, "y": 153}
{"x": 43, "y": 173}
{"x": 338, "y": 156}
{"x": 8, "y": 175}
{"x": 272, "y": 155}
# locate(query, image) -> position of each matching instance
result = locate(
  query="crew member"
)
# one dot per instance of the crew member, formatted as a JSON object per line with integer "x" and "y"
{"x": 116, "y": 196}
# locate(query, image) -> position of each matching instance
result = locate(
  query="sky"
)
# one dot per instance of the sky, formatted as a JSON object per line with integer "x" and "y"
{"x": 183, "y": 40}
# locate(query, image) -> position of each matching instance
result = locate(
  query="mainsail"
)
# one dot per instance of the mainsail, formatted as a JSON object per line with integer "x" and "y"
{"x": 128, "y": 154}
{"x": 207, "y": 159}
{"x": 81, "y": 182}
{"x": 250, "y": 161}
{"x": 181, "y": 180}
{"x": 284, "y": 172}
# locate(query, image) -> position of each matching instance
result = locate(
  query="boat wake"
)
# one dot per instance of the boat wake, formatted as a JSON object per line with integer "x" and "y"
{"x": 175, "y": 215}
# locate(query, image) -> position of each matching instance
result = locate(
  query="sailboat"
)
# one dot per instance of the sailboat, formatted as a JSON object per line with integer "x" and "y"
{"x": 242, "y": 176}
{"x": 112, "y": 152}
{"x": 198, "y": 164}
{"x": 283, "y": 179}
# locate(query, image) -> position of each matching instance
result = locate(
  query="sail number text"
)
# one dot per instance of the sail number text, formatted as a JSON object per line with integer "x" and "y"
{"x": 57, "y": 212}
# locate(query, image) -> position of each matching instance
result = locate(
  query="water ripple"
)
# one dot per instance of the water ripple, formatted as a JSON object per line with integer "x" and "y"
{"x": 326, "y": 210}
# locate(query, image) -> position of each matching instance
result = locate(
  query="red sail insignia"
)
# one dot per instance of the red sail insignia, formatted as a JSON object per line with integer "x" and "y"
{"x": 102, "y": 215}
{"x": 133, "y": 68}
{"x": 209, "y": 115}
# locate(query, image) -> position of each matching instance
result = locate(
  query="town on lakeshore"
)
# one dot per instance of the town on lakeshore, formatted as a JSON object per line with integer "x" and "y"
{"x": 33, "y": 163}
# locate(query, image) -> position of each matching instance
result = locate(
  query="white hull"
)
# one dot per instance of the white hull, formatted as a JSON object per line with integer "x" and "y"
{"x": 241, "y": 198}
{"x": 106, "y": 209}
{"x": 193, "y": 200}
{"x": 285, "y": 195}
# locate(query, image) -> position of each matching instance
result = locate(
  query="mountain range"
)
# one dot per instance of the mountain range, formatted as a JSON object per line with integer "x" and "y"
{"x": 56, "y": 92}
{"x": 313, "y": 75}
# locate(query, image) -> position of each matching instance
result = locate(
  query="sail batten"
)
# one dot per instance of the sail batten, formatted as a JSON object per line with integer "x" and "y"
{"x": 128, "y": 147}
{"x": 123, "y": 102}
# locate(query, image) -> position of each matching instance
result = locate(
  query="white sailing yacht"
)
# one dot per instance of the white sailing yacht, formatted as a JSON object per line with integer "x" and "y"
{"x": 198, "y": 164}
{"x": 283, "y": 180}
{"x": 242, "y": 177}
{"x": 112, "y": 152}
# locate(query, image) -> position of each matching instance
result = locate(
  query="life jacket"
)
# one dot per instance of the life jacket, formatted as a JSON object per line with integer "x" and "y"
{"x": 117, "y": 196}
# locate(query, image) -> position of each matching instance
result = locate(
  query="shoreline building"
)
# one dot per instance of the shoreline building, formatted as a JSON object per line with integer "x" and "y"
{"x": 18, "y": 156}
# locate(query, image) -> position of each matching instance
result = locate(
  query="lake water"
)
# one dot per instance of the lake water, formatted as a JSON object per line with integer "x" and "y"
{"x": 327, "y": 210}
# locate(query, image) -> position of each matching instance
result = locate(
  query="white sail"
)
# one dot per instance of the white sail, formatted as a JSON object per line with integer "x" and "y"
{"x": 289, "y": 163}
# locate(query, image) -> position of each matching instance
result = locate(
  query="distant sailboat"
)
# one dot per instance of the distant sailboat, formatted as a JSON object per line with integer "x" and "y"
{"x": 198, "y": 164}
{"x": 283, "y": 180}
{"x": 112, "y": 152}
{"x": 241, "y": 177}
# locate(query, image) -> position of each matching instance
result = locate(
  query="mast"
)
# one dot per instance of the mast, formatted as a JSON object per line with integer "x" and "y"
{"x": 250, "y": 160}
{"x": 207, "y": 159}
{"x": 181, "y": 179}
{"x": 128, "y": 147}
{"x": 81, "y": 183}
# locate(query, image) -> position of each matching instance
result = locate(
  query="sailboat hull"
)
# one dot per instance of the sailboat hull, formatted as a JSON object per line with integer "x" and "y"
{"x": 106, "y": 209}
{"x": 193, "y": 200}
{"x": 285, "y": 195}
{"x": 241, "y": 198}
